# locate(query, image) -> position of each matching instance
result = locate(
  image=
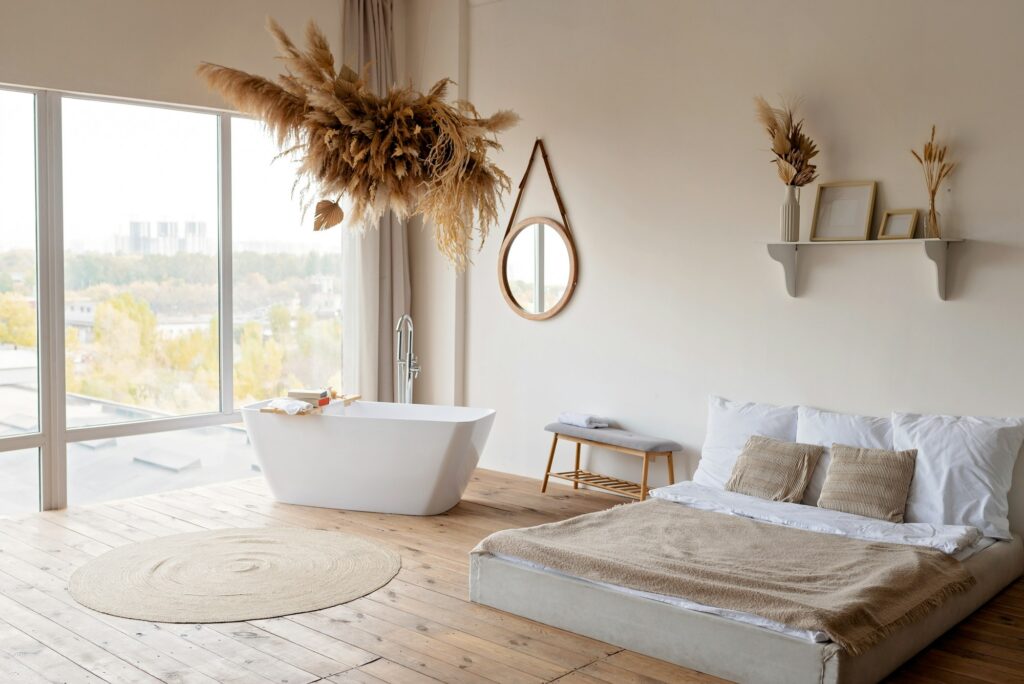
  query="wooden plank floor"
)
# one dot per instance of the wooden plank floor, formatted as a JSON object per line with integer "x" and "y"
{"x": 419, "y": 628}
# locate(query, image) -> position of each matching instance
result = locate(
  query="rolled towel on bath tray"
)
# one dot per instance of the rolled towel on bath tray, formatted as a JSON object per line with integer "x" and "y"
{"x": 583, "y": 420}
{"x": 291, "y": 407}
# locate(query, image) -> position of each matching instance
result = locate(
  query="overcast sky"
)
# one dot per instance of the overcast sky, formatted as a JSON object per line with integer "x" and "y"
{"x": 17, "y": 187}
{"x": 126, "y": 163}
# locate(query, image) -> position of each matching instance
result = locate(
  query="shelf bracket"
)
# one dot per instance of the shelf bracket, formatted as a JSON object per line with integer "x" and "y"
{"x": 937, "y": 252}
{"x": 785, "y": 254}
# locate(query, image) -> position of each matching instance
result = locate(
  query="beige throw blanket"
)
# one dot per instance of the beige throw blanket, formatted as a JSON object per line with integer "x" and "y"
{"x": 855, "y": 591}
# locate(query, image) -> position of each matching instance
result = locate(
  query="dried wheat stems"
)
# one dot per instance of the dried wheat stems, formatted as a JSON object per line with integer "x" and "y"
{"x": 936, "y": 169}
{"x": 404, "y": 151}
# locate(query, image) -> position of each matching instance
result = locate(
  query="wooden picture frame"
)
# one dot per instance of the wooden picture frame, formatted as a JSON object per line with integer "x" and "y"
{"x": 895, "y": 227}
{"x": 843, "y": 211}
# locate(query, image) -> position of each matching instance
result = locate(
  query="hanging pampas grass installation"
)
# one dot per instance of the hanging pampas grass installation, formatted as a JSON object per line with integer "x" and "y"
{"x": 406, "y": 151}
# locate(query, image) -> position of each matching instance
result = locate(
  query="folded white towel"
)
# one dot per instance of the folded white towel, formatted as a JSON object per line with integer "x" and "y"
{"x": 292, "y": 407}
{"x": 583, "y": 420}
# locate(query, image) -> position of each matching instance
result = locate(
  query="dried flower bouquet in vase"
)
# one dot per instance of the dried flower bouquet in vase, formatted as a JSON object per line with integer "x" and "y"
{"x": 793, "y": 151}
{"x": 936, "y": 169}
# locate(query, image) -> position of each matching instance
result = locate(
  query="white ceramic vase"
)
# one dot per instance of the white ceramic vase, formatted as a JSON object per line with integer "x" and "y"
{"x": 791, "y": 215}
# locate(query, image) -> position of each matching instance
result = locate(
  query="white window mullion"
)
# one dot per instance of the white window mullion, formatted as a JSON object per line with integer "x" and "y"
{"x": 145, "y": 427}
{"x": 53, "y": 455}
{"x": 18, "y": 442}
{"x": 225, "y": 274}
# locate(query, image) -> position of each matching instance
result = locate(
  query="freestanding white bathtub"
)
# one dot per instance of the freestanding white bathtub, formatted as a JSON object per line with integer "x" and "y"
{"x": 414, "y": 459}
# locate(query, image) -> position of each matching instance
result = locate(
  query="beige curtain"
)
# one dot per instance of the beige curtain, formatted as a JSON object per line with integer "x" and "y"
{"x": 377, "y": 261}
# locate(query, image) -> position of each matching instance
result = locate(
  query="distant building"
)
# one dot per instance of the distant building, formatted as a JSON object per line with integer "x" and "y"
{"x": 166, "y": 238}
{"x": 322, "y": 284}
{"x": 323, "y": 299}
{"x": 80, "y": 315}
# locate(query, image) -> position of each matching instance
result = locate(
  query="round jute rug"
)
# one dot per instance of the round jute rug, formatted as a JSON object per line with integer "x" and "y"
{"x": 233, "y": 575}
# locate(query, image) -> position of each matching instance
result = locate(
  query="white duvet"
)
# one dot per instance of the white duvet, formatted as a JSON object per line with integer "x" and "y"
{"x": 950, "y": 539}
{"x": 958, "y": 541}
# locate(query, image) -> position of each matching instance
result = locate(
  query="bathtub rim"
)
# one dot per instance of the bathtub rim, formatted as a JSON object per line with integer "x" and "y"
{"x": 484, "y": 413}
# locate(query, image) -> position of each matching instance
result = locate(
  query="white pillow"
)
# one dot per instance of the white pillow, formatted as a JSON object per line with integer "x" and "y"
{"x": 730, "y": 425}
{"x": 963, "y": 470}
{"x": 825, "y": 428}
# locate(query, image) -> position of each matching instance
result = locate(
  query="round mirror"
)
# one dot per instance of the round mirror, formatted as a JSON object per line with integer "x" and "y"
{"x": 537, "y": 268}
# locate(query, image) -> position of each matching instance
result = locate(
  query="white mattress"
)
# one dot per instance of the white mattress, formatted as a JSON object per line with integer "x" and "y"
{"x": 958, "y": 541}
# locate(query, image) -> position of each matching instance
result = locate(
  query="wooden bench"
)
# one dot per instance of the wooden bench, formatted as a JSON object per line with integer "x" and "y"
{"x": 622, "y": 441}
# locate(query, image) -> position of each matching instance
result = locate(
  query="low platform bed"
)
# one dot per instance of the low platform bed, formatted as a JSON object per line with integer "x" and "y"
{"x": 810, "y": 546}
{"x": 721, "y": 646}
{"x": 708, "y": 595}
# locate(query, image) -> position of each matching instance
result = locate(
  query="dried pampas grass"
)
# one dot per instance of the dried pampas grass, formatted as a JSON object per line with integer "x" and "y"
{"x": 792, "y": 148}
{"x": 406, "y": 151}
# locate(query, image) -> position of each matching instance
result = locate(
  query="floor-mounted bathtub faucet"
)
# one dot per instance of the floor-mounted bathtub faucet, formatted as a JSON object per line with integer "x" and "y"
{"x": 407, "y": 367}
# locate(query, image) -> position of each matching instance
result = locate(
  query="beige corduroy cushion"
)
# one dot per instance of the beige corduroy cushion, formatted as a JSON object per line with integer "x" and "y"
{"x": 774, "y": 470}
{"x": 871, "y": 482}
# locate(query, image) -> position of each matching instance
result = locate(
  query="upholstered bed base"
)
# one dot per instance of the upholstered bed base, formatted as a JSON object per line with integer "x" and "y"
{"x": 716, "y": 645}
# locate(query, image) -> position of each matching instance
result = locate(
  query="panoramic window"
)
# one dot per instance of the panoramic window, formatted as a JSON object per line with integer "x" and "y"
{"x": 140, "y": 252}
{"x": 19, "y": 358}
{"x": 287, "y": 279}
{"x": 19, "y": 481}
{"x": 139, "y": 232}
{"x": 19, "y": 395}
{"x": 117, "y": 468}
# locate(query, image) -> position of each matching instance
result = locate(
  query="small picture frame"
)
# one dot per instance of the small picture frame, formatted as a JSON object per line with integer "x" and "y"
{"x": 898, "y": 224}
{"x": 843, "y": 211}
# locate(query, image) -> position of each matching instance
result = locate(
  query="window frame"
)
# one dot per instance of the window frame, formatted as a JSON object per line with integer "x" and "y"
{"x": 53, "y": 435}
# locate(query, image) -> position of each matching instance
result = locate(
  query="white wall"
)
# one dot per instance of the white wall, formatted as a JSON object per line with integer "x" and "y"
{"x": 433, "y": 50}
{"x": 147, "y": 49}
{"x": 646, "y": 108}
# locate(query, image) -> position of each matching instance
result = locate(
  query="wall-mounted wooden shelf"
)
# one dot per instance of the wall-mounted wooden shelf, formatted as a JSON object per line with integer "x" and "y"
{"x": 935, "y": 249}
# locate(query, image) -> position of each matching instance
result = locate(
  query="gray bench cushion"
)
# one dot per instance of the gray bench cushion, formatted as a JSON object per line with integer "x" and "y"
{"x": 617, "y": 437}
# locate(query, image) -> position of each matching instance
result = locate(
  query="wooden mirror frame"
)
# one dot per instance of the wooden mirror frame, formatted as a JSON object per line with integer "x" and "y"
{"x": 506, "y": 246}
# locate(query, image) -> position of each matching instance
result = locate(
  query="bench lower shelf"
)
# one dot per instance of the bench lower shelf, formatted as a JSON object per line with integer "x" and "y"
{"x": 611, "y": 484}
